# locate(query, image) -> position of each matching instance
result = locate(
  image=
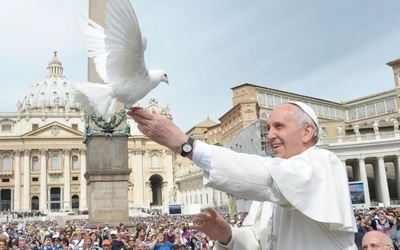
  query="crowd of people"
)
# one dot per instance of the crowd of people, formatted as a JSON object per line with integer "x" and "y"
{"x": 160, "y": 231}
{"x": 384, "y": 220}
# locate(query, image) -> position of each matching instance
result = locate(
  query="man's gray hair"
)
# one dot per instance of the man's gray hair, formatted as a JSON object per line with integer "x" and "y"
{"x": 303, "y": 118}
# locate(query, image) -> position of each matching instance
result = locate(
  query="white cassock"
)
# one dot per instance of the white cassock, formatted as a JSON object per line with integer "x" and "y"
{"x": 307, "y": 197}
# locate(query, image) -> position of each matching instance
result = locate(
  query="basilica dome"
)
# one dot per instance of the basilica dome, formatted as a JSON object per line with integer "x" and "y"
{"x": 53, "y": 93}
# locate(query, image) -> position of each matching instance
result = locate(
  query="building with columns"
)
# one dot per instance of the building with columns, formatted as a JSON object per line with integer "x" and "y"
{"x": 42, "y": 156}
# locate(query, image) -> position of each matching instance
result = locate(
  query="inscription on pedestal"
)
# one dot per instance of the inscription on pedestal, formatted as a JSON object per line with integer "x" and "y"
{"x": 109, "y": 198}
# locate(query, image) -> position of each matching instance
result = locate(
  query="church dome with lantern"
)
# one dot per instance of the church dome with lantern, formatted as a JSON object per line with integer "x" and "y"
{"x": 53, "y": 93}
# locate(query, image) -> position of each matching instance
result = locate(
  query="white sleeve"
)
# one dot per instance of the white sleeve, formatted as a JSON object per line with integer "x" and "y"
{"x": 202, "y": 155}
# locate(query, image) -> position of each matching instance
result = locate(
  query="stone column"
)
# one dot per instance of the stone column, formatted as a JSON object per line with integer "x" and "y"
{"x": 382, "y": 181}
{"x": 169, "y": 195}
{"x": 48, "y": 205}
{"x": 138, "y": 176}
{"x": 17, "y": 180}
{"x": 83, "y": 194}
{"x": 27, "y": 189}
{"x": 43, "y": 181}
{"x": 12, "y": 198}
{"x": 67, "y": 179}
{"x": 364, "y": 179}
{"x": 396, "y": 163}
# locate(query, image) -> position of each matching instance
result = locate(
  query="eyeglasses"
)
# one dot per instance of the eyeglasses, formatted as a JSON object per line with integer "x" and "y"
{"x": 374, "y": 246}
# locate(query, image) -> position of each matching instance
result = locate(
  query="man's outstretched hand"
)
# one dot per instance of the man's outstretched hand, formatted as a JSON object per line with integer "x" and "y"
{"x": 159, "y": 129}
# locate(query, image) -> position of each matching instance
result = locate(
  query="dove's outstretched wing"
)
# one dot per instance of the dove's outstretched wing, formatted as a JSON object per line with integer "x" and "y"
{"x": 118, "y": 50}
{"x": 118, "y": 53}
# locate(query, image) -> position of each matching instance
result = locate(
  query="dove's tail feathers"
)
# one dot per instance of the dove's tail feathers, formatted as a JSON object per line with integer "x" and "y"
{"x": 95, "y": 97}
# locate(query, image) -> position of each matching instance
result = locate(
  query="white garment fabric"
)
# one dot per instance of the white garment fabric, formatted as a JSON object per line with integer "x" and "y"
{"x": 311, "y": 191}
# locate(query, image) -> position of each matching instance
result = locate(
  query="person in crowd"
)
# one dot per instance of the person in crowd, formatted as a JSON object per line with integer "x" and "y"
{"x": 140, "y": 246}
{"x": 395, "y": 232}
{"x": 379, "y": 220}
{"x": 170, "y": 235}
{"x": 14, "y": 245}
{"x": 204, "y": 243}
{"x": 194, "y": 243}
{"x": 76, "y": 241}
{"x": 106, "y": 244}
{"x": 47, "y": 243}
{"x": 96, "y": 238}
{"x": 160, "y": 243}
{"x": 360, "y": 231}
{"x": 294, "y": 189}
{"x": 3, "y": 244}
{"x": 141, "y": 236}
{"x": 186, "y": 235}
{"x": 377, "y": 240}
{"x": 132, "y": 243}
{"x": 116, "y": 243}
{"x": 65, "y": 244}
{"x": 88, "y": 244}
{"x": 22, "y": 243}
{"x": 56, "y": 242}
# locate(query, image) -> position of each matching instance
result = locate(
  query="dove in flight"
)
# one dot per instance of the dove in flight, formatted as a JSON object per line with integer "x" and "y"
{"x": 118, "y": 54}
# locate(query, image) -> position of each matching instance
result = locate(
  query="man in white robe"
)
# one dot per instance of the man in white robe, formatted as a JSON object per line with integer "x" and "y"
{"x": 304, "y": 194}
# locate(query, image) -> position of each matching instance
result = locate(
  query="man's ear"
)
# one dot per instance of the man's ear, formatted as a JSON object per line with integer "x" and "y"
{"x": 308, "y": 133}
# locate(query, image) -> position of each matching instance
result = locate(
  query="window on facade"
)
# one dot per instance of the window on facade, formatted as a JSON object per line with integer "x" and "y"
{"x": 326, "y": 111}
{"x": 361, "y": 112}
{"x": 270, "y": 100}
{"x": 55, "y": 162}
{"x": 370, "y": 109}
{"x": 154, "y": 161}
{"x": 35, "y": 126}
{"x": 74, "y": 126}
{"x": 206, "y": 198}
{"x": 319, "y": 110}
{"x": 390, "y": 105}
{"x": 331, "y": 112}
{"x": 75, "y": 178}
{"x": 261, "y": 99}
{"x": 75, "y": 162}
{"x": 6, "y": 165}
{"x": 6, "y": 127}
{"x": 277, "y": 100}
{"x": 35, "y": 179}
{"x": 352, "y": 114}
{"x": 5, "y": 180}
{"x": 264, "y": 116}
{"x": 35, "y": 163}
{"x": 380, "y": 107}
{"x": 75, "y": 202}
{"x": 201, "y": 199}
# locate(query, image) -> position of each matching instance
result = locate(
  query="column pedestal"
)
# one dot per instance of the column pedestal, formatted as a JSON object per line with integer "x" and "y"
{"x": 107, "y": 178}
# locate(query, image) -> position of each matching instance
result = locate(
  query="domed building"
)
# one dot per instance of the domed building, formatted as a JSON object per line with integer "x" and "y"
{"x": 41, "y": 150}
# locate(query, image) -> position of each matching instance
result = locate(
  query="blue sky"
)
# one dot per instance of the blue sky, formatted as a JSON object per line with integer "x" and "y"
{"x": 334, "y": 50}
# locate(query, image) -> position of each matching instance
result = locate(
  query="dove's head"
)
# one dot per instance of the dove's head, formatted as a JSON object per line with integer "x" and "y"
{"x": 159, "y": 76}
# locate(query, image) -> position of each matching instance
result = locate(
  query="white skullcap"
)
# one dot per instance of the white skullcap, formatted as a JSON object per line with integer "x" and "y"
{"x": 309, "y": 111}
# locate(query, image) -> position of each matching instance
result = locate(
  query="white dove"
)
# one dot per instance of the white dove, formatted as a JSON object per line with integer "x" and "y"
{"x": 118, "y": 53}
